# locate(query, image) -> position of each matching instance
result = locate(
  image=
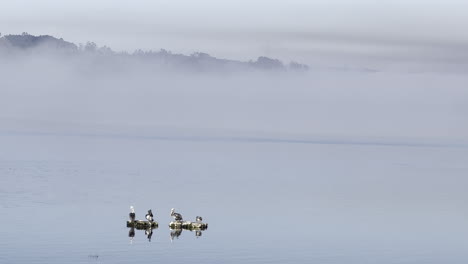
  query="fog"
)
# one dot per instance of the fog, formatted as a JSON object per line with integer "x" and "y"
{"x": 55, "y": 93}
{"x": 323, "y": 33}
{"x": 86, "y": 108}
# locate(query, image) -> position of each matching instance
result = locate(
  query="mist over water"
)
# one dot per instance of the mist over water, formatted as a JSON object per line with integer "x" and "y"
{"x": 298, "y": 167}
{"x": 54, "y": 95}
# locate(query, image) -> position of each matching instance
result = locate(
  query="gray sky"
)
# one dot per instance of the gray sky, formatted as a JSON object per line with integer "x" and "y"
{"x": 244, "y": 28}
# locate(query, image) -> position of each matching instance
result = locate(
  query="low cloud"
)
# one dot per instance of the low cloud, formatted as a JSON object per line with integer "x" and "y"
{"x": 101, "y": 91}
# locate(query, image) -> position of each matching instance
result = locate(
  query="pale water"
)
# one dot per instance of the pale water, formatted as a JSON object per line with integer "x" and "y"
{"x": 65, "y": 198}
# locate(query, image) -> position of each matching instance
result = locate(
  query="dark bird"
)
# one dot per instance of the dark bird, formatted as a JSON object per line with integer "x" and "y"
{"x": 177, "y": 216}
{"x": 132, "y": 214}
{"x": 149, "y": 216}
{"x": 198, "y": 219}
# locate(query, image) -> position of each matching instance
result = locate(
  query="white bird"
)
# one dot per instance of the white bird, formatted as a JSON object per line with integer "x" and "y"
{"x": 177, "y": 216}
{"x": 132, "y": 214}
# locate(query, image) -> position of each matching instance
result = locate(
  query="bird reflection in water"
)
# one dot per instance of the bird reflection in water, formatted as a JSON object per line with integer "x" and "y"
{"x": 149, "y": 233}
{"x": 131, "y": 234}
{"x": 175, "y": 233}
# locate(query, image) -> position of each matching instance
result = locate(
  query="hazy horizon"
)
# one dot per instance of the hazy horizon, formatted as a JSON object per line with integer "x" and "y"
{"x": 332, "y": 33}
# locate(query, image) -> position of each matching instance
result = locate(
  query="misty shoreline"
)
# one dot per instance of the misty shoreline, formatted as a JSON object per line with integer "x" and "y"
{"x": 59, "y": 87}
{"x": 26, "y": 45}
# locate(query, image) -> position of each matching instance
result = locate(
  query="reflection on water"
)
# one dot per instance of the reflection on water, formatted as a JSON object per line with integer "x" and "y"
{"x": 131, "y": 234}
{"x": 148, "y": 233}
{"x": 175, "y": 233}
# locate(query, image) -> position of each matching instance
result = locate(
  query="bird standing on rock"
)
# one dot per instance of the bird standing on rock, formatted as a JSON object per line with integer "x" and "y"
{"x": 149, "y": 216}
{"x": 132, "y": 214}
{"x": 177, "y": 216}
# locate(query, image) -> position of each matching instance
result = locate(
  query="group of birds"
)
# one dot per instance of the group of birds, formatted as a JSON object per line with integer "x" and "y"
{"x": 150, "y": 218}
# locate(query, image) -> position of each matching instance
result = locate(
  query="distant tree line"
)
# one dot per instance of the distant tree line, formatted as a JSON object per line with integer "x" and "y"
{"x": 196, "y": 61}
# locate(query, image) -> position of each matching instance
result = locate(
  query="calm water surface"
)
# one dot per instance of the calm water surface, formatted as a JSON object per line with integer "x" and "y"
{"x": 65, "y": 199}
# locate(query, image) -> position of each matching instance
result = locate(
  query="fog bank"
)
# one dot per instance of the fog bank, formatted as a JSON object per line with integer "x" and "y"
{"x": 39, "y": 94}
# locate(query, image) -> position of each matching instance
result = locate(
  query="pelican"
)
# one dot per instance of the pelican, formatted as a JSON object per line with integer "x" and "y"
{"x": 132, "y": 214}
{"x": 177, "y": 216}
{"x": 149, "y": 216}
{"x": 198, "y": 219}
